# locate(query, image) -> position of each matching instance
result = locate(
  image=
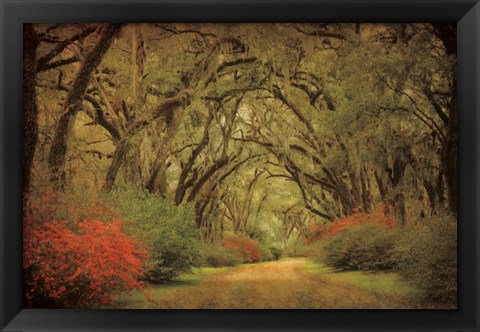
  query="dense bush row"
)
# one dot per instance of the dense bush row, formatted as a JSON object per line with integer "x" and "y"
{"x": 80, "y": 251}
{"x": 425, "y": 253}
{"x": 218, "y": 256}
{"x": 237, "y": 250}
{"x": 368, "y": 247}
{"x": 377, "y": 217}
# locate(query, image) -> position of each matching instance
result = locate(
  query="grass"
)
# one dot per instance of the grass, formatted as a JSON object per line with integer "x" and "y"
{"x": 287, "y": 283}
{"x": 384, "y": 282}
{"x": 138, "y": 299}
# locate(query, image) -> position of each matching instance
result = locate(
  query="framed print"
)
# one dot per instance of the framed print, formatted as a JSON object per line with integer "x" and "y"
{"x": 277, "y": 155}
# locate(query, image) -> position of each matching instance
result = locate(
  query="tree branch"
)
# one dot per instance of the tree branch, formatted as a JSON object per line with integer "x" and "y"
{"x": 42, "y": 62}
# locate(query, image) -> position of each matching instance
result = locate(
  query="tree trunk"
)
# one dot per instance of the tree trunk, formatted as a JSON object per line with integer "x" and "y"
{"x": 366, "y": 194}
{"x": 30, "y": 110}
{"x": 399, "y": 165}
{"x": 73, "y": 105}
{"x": 183, "y": 182}
{"x": 450, "y": 156}
{"x": 354, "y": 194}
{"x": 432, "y": 194}
{"x": 447, "y": 33}
{"x": 400, "y": 210}
{"x": 382, "y": 189}
{"x": 158, "y": 180}
{"x": 138, "y": 61}
{"x": 219, "y": 164}
{"x": 117, "y": 159}
{"x": 165, "y": 109}
{"x": 132, "y": 164}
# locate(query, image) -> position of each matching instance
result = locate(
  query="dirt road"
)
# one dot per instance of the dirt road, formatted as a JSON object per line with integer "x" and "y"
{"x": 282, "y": 284}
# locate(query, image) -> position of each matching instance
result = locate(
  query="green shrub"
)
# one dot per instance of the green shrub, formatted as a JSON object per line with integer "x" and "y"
{"x": 218, "y": 256}
{"x": 276, "y": 251}
{"x": 426, "y": 254}
{"x": 168, "y": 231}
{"x": 315, "y": 250}
{"x": 368, "y": 247}
{"x": 266, "y": 253}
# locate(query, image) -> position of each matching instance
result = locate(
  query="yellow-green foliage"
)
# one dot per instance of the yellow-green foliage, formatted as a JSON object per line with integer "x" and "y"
{"x": 368, "y": 247}
{"x": 426, "y": 254}
{"x": 267, "y": 254}
{"x": 276, "y": 251}
{"x": 168, "y": 231}
{"x": 218, "y": 256}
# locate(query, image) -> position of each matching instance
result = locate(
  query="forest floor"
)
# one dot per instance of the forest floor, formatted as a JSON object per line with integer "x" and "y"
{"x": 289, "y": 283}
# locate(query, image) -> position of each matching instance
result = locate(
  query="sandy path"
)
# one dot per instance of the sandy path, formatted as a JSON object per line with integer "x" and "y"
{"x": 280, "y": 284}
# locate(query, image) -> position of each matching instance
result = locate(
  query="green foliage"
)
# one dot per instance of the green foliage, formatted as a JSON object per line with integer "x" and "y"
{"x": 296, "y": 249}
{"x": 218, "y": 256}
{"x": 168, "y": 231}
{"x": 426, "y": 254}
{"x": 315, "y": 251}
{"x": 276, "y": 251}
{"x": 267, "y": 254}
{"x": 368, "y": 247}
{"x": 423, "y": 254}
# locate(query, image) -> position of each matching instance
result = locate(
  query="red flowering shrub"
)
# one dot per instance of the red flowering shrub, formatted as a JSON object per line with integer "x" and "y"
{"x": 76, "y": 263}
{"x": 377, "y": 216}
{"x": 249, "y": 249}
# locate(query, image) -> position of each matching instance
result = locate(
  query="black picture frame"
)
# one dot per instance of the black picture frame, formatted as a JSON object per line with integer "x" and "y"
{"x": 466, "y": 13}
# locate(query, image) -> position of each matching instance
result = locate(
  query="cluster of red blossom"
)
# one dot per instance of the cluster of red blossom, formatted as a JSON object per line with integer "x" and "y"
{"x": 377, "y": 216}
{"x": 249, "y": 249}
{"x": 76, "y": 262}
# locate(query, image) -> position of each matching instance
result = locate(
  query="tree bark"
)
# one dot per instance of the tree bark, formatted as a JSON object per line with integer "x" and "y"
{"x": 112, "y": 172}
{"x": 400, "y": 210}
{"x": 165, "y": 109}
{"x": 399, "y": 165}
{"x": 355, "y": 198}
{"x": 450, "y": 156}
{"x": 447, "y": 33}
{"x": 30, "y": 109}
{"x": 73, "y": 105}
{"x": 132, "y": 163}
{"x": 158, "y": 179}
{"x": 183, "y": 182}
{"x": 366, "y": 193}
{"x": 205, "y": 177}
